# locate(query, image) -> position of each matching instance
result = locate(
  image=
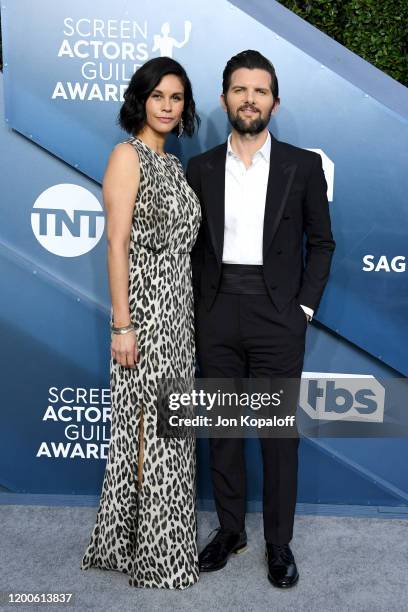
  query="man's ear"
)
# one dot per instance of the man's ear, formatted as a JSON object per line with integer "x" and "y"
{"x": 276, "y": 105}
{"x": 222, "y": 102}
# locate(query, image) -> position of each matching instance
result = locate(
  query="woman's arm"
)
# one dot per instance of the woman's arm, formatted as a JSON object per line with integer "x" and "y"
{"x": 120, "y": 187}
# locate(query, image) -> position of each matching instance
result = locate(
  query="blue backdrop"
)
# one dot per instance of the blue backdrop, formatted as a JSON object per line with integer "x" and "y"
{"x": 64, "y": 73}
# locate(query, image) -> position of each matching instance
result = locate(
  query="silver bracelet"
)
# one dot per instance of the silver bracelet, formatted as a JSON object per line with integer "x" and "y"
{"x": 122, "y": 330}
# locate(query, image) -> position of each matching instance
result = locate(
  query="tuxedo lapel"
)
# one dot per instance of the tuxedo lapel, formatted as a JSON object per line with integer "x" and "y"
{"x": 214, "y": 179}
{"x": 281, "y": 174}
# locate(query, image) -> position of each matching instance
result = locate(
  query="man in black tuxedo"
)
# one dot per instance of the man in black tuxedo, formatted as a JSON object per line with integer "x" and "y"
{"x": 256, "y": 284}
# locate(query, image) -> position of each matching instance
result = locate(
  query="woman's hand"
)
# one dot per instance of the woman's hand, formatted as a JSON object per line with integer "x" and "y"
{"x": 124, "y": 349}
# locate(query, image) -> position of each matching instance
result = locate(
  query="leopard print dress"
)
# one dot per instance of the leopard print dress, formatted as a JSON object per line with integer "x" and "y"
{"x": 148, "y": 529}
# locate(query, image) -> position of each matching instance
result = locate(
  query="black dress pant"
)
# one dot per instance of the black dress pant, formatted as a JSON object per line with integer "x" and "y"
{"x": 244, "y": 336}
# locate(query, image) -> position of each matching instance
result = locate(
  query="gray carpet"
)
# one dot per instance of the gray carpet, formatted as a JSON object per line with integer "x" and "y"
{"x": 345, "y": 564}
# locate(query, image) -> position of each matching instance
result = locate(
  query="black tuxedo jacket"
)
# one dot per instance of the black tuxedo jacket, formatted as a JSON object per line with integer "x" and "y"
{"x": 297, "y": 240}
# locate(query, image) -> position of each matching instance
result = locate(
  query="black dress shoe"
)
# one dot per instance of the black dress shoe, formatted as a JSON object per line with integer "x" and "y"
{"x": 282, "y": 570}
{"x": 215, "y": 555}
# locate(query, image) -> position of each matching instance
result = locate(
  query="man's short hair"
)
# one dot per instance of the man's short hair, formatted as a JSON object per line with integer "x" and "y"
{"x": 249, "y": 59}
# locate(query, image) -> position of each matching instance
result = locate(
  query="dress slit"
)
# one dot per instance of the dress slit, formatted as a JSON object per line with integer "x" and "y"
{"x": 140, "y": 452}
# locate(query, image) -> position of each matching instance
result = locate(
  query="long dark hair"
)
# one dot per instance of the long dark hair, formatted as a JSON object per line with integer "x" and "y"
{"x": 132, "y": 115}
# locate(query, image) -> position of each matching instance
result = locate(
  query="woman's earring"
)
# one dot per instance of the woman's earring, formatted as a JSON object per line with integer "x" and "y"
{"x": 181, "y": 128}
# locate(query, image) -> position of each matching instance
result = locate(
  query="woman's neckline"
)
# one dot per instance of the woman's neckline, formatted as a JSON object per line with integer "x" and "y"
{"x": 165, "y": 157}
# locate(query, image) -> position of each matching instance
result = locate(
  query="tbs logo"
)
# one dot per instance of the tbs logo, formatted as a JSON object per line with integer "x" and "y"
{"x": 346, "y": 397}
{"x": 67, "y": 220}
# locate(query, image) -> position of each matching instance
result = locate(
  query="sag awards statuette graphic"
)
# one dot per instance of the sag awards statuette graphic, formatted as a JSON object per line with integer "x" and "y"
{"x": 107, "y": 53}
{"x": 67, "y": 220}
{"x": 166, "y": 43}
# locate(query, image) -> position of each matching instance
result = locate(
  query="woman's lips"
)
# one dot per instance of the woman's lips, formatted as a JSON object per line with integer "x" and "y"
{"x": 165, "y": 119}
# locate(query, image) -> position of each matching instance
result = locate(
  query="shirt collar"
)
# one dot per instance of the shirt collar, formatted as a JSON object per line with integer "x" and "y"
{"x": 264, "y": 151}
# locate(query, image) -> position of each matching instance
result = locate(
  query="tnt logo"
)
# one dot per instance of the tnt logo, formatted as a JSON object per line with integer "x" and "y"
{"x": 67, "y": 220}
{"x": 347, "y": 397}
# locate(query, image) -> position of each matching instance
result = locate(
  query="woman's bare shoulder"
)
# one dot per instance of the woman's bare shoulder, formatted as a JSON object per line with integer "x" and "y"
{"x": 124, "y": 155}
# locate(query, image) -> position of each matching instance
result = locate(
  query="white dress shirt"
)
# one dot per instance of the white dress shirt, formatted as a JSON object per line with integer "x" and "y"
{"x": 245, "y": 196}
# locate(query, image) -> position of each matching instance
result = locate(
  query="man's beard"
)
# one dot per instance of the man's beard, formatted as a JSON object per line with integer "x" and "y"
{"x": 256, "y": 126}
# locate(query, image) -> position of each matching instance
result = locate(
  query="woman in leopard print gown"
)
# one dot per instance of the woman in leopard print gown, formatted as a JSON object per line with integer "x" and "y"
{"x": 146, "y": 522}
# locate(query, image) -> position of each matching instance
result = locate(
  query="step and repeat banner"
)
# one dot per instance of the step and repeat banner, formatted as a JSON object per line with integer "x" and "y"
{"x": 66, "y": 67}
